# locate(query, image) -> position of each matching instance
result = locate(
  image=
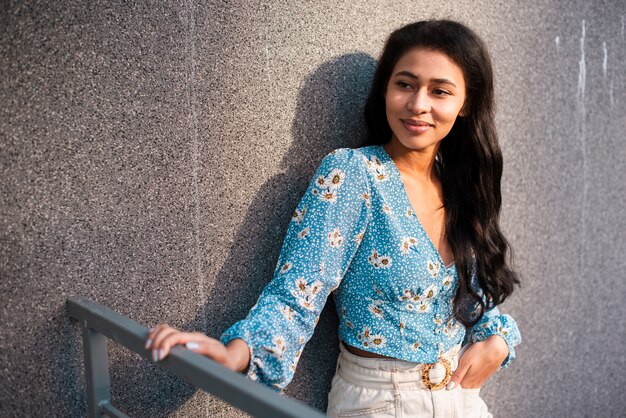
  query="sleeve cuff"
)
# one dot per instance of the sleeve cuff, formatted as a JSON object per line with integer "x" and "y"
{"x": 237, "y": 331}
{"x": 504, "y": 326}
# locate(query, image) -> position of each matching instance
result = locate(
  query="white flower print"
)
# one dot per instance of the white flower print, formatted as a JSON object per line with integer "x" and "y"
{"x": 504, "y": 330}
{"x": 304, "y": 232}
{"x": 322, "y": 267}
{"x": 379, "y": 261}
{"x": 288, "y": 312}
{"x": 335, "y": 239}
{"x": 375, "y": 307}
{"x": 378, "y": 340}
{"x": 409, "y": 213}
{"x": 298, "y": 215}
{"x": 301, "y": 340}
{"x": 286, "y": 267}
{"x": 452, "y": 326}
{"x": 376, "y": 167}
{"x": 368, "y": 339}
{"x": 447, "y": 281}
{"x": 433, "y": 268}
{"x": 335, "y": 179}
{"x": 321, "y": 182}
{"x": 420, "y": 302}
{"x": 402, "y": 327}
{"x": 315, "y": 288}
{"x": 327, "y": 187}
{"x": 365, "y": 334}
{"x": 306, "y": 293}
{"x": 387, "y": 209}
{"x": 359, "y": 237}
{"x": 424, "y": 306}
{"x": 415, "y": 346}
{"x": 373, "y": 161}
{"x": 368, "y": 200}
{"x": 279, "y": 347}
{"x": 301, "y": 287}
{"x": 307, "y": 303}
{"x": 329, "y": 196}
{"x": 430, "y": 292}
{"x": 438, "y": 321}
{"x": 407, "y": 244}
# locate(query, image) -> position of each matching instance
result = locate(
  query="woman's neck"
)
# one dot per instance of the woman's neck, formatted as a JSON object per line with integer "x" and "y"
{"x": 419, "y": 164}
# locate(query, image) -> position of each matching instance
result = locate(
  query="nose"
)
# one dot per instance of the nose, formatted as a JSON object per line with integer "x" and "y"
{"x": 420, "y": 102}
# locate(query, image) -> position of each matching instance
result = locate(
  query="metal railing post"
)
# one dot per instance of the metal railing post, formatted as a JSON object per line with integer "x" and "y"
{"x": 96, "y": 371}
{"x": 100, "y": 323}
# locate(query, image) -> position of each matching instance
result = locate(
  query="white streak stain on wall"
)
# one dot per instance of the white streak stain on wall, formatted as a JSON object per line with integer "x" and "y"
{"x": 611, "y": 98}
{"x": 582, "y": 77}
{"x": 582, "y": 72}
{"x": 604, "y": 59}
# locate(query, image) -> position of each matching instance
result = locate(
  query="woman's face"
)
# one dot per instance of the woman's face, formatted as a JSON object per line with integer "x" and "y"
{"x": 424, "y": 96}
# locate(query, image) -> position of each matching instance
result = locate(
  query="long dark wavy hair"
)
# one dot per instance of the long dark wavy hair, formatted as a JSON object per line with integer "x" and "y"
{"x": 469, "y": 162}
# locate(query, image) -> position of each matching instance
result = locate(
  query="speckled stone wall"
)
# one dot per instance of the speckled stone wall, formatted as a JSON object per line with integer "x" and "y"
{"x": 152, "y": 153}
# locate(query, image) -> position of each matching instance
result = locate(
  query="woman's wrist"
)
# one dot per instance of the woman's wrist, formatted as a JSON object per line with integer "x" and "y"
{"x": 239, "y": 353}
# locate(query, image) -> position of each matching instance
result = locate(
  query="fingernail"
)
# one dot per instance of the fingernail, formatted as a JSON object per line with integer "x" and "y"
{"x": 192, "y": 346}
{"x": 161, "y": 353}
{"x": 451, "y": 385}
{"x": 148, "y": 343}
{"x": 155, "y": 355}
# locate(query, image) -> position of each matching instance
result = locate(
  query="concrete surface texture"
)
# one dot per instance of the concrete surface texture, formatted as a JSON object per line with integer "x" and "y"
{"x": 152, "y": 154}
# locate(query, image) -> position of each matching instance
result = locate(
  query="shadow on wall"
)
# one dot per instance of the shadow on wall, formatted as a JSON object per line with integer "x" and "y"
{"x": 329, "y": 115}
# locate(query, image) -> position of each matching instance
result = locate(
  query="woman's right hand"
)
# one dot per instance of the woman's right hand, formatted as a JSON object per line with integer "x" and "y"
{"x": 162, "y": 338}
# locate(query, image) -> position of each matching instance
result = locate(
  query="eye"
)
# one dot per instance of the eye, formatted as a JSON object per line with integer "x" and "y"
{"x": 441, "y": 92}
{"x": 404, "y": 85}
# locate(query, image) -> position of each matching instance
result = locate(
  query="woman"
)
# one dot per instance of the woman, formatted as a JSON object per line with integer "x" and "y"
{"x": 404, "y": 232}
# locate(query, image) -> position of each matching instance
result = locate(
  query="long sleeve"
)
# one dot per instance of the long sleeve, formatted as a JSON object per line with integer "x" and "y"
{"x": 322, "y": 238}
{"x": 495, "y": 323}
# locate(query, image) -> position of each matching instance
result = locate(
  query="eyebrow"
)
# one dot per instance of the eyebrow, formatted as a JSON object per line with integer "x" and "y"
{"x": 432, "y": 80}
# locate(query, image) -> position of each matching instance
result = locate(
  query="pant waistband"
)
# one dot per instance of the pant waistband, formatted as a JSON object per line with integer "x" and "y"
{"x": 391, "y": 373}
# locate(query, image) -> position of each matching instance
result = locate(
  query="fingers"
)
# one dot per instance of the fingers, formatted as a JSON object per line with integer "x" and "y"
{"x": 159, "y": 351}
{"x": 458, "y": 375}
{"x": 162, "y": 338}
{"x": 475, "y": 366}
{"x": 155, "y": 339}
{"x": 153, "y": 333}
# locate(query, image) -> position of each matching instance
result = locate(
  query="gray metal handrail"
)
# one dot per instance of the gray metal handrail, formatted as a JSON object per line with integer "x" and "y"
{"x": 99, "y": 323}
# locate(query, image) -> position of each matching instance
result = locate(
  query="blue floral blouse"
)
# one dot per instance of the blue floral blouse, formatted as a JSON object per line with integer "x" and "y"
{"x": 354, "y": 234}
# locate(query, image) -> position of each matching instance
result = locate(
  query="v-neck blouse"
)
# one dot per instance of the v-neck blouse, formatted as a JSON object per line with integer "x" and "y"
{"x": 354, "y": 234}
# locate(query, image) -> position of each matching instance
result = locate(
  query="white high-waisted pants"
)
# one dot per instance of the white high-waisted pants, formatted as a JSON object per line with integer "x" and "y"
{"x": 379, "y": 387}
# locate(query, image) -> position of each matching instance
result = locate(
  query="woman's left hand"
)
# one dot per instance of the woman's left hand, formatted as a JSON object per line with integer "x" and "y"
{"x": 479, "y": 362}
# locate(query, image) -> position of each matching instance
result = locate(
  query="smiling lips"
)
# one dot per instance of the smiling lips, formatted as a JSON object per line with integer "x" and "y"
{"x": 416, "y": 126}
